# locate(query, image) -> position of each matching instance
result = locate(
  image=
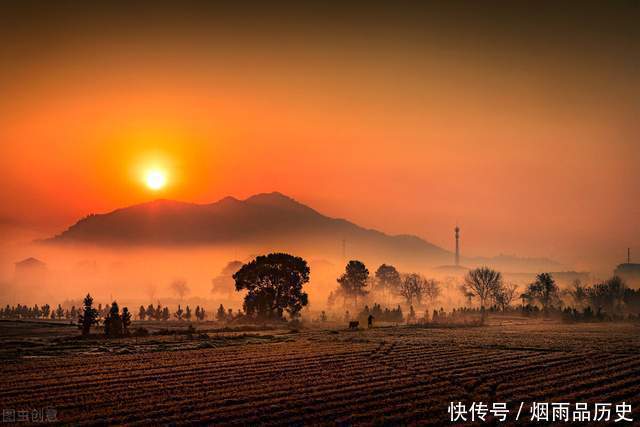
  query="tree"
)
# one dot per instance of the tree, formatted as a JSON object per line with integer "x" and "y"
{"x": 224, "y": 283}
{"x": 579, "y": 294}
{"x": 504, "y": 295}
{"x": 179, "y": 312}
{"x": 412, "y": 288}
{"x": 354, "y": 280}
{"x": 151, "y": 312}
{"x": 89, "y": 316}
{"x": 142, "y": 313}
{"x": 412, "y": 314}
{"x": 545, "y": 291}
{"x": 483, "y": 282}
{"x": 221, "y": 315}
{"x": 187, "y": 314}
{"x": 45, "y": 311}
{"x": 431, "y": 291}
{"x": 165, "y": 314}
{"x": 608, "y": 296}
{"x": 157, "y": 314}
{"x": 388, "y": 279}
{"x": 59, "y": 312}
{"x": 180, "y": 288}
{"x": 274, "y": 284}
{"x": 113, "y": 322}
{"x": 126, "y": 320}
{"x": 203, "y": 314}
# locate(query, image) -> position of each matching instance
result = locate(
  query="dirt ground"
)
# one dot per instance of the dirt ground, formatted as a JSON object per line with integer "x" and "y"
{"x": 319, "y": 375}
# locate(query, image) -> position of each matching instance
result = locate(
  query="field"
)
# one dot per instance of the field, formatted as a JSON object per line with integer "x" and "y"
{"x": 394, "y": 374}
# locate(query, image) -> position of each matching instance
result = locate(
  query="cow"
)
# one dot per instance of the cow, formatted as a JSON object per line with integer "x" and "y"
{"x": 354, "y": 324}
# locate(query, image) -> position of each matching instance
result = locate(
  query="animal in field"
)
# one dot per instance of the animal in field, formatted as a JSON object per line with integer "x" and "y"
{"x": 354, "y": 324}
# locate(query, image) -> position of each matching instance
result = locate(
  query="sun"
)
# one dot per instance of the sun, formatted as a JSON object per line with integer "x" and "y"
{"x": 155, "y": 179}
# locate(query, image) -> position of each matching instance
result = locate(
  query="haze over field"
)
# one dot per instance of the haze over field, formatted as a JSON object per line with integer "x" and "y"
{"x": 406, "y": 121}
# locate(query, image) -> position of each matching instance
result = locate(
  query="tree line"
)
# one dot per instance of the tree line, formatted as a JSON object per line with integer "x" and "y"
{"x": 159, "y": 312}
{"x": 45, "y": 312}
{"x": 388, "y": 282}
{"x": 610, "y": 299}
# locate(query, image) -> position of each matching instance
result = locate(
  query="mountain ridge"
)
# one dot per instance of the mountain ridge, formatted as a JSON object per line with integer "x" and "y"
{"x": 266, "y": 221}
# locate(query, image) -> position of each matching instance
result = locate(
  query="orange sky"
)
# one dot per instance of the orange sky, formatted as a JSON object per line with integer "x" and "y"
{"x": 528, "y": 139}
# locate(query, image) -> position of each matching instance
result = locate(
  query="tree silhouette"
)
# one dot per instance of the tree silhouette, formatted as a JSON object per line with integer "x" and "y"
{"x": 187, "y": 313}
{"x": 142, "y": 313}
{"x": 274, "y": 284}
{"x": 608, "y": 296}
{"x": 165, "y": 314}
{"x": 388, "y": 279}
{"x": 504, "y": 295}
{"x": 545, "y": 290}
{"x": 180, "y": 288}
{"x": 224, "y": 283}
{"x": 412, "y": 288}
{"x": 221, "y": 315}
{"x": 151, "y": 312}
{"x": 354, "y": 280}
{"x": 113, "y": 322}
{"x": 431, "y": 290}
{"x": 200, "y": 314}
{"x": 126, "y": 320}
{"x": 59, "y": 312}
{"x": 46, "y": 311}
{"x": 412, "y": 314}
{"x": 178, "y": 314}
{"x": 579, "y": 294}
{"x": 89, "y": 316}
{"x": 483, "y": 282}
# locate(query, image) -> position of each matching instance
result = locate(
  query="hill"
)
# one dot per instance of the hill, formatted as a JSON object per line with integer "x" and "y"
{"x": 272, "y": 221}
{"x": 269, "y": 222}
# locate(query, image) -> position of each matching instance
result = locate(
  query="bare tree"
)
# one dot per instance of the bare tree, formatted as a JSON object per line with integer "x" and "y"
{"x": 468, "y": 295}
{"x": 180, "y": 288}
{"x": 579, "y": 294}
{"x": 412, "y": 288}
{"x": 431, "y": 290}
{"x": 483, "y": 282}
{"x": 504, "y": 295}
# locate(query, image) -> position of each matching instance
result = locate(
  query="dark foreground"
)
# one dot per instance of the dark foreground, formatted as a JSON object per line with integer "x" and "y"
{"x": 393, "y": 375}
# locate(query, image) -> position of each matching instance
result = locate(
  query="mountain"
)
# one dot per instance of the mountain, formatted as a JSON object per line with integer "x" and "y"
{"x": 269, "y": 222}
